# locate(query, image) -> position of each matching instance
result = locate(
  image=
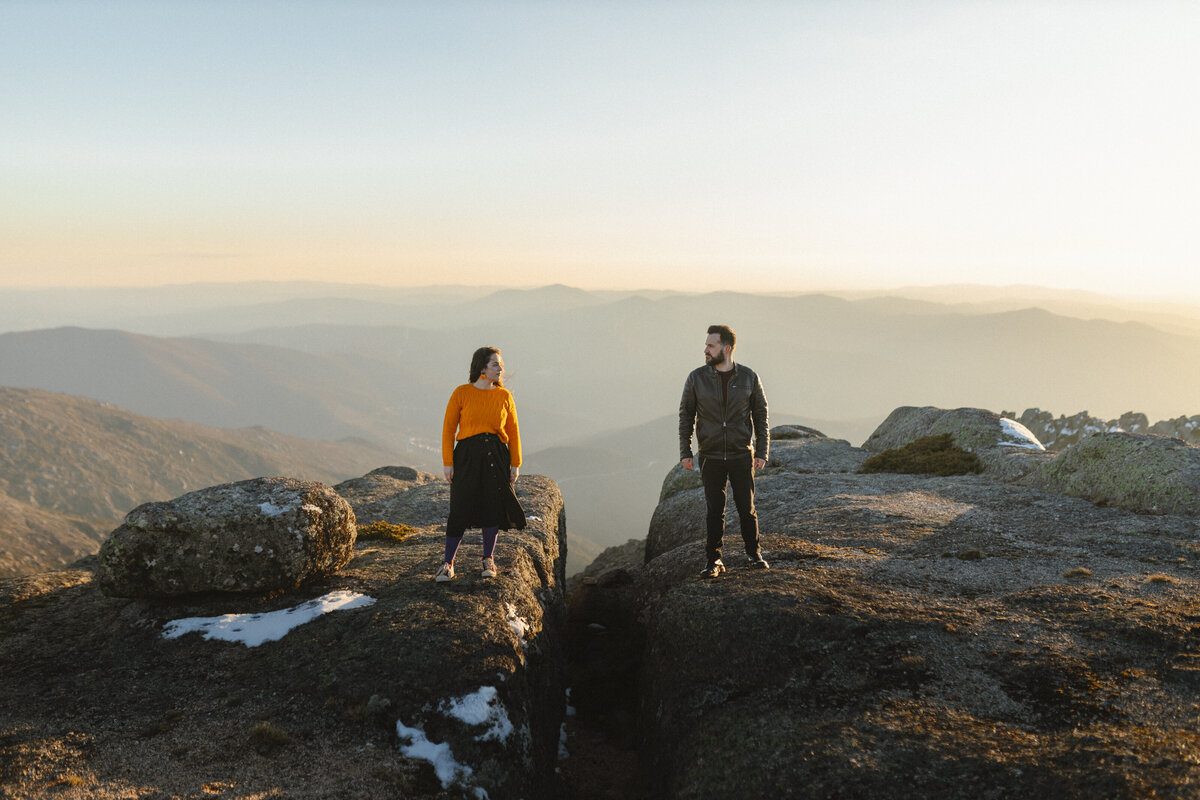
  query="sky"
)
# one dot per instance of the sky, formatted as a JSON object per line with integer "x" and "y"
{"x": 760, "y": 146}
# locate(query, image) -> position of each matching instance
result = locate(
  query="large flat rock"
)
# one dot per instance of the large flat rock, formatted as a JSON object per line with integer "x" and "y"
{"x": 95, "y": 697}
{"x": 917, "y": 637}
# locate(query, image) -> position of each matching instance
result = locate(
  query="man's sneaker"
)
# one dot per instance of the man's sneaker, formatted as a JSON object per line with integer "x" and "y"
{"x": 713, "y": 570}
{"x": 446, "y": 573}
{"x": 758, "y": 562}
{"x": 489, "y": 568}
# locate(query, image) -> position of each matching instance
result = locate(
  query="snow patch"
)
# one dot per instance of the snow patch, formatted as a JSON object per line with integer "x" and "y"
{"x": 1017, "y": 435}
{"x": 254, "y": 629}
{"x": 519, "y": 625}
{"x": 440, "y": 756}
{"x": 483, "y": 707}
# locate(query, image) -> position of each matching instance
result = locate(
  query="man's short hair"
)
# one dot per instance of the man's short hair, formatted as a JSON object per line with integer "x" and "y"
{"x": 726, "y": 333}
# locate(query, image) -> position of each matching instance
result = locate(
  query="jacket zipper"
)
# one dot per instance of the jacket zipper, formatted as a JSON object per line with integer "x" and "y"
{"x": 725, "y": 415}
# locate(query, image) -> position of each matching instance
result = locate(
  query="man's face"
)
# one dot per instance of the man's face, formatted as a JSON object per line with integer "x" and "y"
{"x": 714, "y": 352}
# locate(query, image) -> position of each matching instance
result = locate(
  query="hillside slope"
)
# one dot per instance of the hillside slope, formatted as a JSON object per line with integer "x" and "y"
{"x": 71, "y": 467}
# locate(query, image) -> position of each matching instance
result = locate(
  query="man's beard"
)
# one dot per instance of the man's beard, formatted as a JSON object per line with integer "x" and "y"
{"x": 715, "y": 361}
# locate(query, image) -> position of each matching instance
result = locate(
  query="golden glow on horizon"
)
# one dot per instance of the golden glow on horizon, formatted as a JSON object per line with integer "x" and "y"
{"x": 802, "y": 146}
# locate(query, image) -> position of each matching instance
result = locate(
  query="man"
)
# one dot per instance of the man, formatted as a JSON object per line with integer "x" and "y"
{"x": 725, "y": 404}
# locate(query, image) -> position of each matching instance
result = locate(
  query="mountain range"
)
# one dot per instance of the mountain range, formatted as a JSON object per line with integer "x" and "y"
{"x": 596, "y": 375}
{"x": 71, "y": 467}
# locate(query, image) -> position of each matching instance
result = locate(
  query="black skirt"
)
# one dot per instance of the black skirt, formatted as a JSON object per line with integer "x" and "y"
{"x": 481, "y": 495}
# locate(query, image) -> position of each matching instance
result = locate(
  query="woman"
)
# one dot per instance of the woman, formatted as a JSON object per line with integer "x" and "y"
{"x": 482, "y": 467}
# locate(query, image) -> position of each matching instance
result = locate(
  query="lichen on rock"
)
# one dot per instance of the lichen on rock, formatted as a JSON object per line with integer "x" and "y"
{"x": 1139, "y": 472}
{"x": 251, "y": 536}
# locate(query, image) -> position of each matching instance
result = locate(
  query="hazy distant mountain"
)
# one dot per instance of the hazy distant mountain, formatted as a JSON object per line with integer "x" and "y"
{"x": 71, "y": 467}
{"x": 203, "y": 309}
{"x": 1179, "y": 318}
{"x": 588, "y": 367}
{"x": 193, "y": 308}
{"x": 611, "y": 365}
{"x": 302, "y": 394}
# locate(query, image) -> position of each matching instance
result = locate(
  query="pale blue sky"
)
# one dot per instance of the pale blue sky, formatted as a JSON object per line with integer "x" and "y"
{"x": 765, "y": 146}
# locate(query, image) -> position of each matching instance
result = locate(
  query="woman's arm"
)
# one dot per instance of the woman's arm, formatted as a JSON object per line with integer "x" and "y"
{"x": 513, "y": 432}
{"x": 449, "y": 428}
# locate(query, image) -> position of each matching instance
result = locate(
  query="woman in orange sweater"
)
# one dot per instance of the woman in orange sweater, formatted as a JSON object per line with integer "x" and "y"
{"x": 482, "y": 465}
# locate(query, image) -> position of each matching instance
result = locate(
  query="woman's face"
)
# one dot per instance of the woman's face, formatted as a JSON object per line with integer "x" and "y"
{"x": 494, "y": 367}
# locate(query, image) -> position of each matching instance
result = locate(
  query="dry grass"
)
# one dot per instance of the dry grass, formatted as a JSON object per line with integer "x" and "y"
{"x": 267, "y": 738}
{"x": 1077, "y": 572}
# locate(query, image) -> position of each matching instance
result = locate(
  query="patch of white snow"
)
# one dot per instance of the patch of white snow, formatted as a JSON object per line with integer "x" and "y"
{"x": 519, "y": 625}
{"x": 440, "y": 756}
{"x": 1017, "y": 435}
{"x": 482, "y": 707}
{"x": 254, "y": 629}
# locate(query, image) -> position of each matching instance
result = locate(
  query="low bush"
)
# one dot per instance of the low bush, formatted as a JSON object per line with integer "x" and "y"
{"x": 385, "y": 531}
{"x": 931, "y": 455}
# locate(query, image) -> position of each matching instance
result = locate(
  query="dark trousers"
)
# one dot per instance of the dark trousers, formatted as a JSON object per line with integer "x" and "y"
{"x": 739, "y": 474}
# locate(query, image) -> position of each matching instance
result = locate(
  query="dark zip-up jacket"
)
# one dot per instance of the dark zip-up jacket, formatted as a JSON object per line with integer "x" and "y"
{"x": 723, "y": 428}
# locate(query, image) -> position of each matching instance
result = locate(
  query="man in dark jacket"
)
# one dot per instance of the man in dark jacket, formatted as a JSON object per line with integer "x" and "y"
{"x": 724, "y": 404}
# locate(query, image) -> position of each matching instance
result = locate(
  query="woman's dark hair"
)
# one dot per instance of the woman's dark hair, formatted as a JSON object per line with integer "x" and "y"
{"x": 479, "y": 362}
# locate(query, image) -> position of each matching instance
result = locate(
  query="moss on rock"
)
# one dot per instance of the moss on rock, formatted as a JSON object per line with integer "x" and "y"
{"x": 929, "y": 455}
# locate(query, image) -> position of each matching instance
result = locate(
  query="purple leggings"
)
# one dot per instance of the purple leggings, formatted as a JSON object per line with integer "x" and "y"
{"x": 489, "y": 544}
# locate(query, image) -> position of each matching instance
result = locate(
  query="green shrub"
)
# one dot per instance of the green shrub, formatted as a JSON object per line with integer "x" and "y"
{"x": 931, "y": 455}
{"x": 386, "y": 531}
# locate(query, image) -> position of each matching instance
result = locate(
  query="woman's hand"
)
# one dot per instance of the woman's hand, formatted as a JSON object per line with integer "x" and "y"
{"x": 512, "y": 474}
{"x": 449, "y": 473}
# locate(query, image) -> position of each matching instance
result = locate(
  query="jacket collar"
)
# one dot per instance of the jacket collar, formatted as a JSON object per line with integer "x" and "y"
{"x": 714, "y": 371}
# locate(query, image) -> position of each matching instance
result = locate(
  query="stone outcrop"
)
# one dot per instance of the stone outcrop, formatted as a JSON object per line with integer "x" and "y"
{"x": 1139, "y": 472}
{"x": 353, "y": 704}
{"x": 800, "y": 449}
{"x": 1057, "y": 433}
{"x": 679, "y": 516}
{"x": 1005, "y": 447}
{"x": 916, "y": 637}
{"x": 374, "y": 494}
{"x": 251, "y": 536}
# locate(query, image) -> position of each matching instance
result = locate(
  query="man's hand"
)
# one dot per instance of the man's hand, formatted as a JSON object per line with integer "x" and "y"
{"x": 512, "y": 474}
{"x": 687, "y": 463}
{"x": 449, "y": 473}
{"x": 759, "y": 463}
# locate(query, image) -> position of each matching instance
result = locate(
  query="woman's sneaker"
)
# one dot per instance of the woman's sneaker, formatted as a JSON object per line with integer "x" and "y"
{"x": 446, "y": 573}
{"x": 489, "y": 568}
{"x": 714, "y": 569}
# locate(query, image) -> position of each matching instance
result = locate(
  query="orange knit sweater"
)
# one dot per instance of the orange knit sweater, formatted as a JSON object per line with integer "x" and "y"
{"x": 472, "y": 410}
